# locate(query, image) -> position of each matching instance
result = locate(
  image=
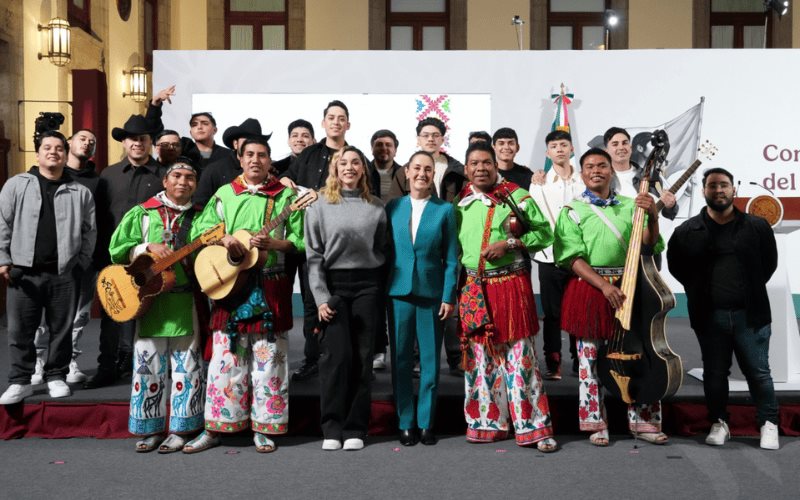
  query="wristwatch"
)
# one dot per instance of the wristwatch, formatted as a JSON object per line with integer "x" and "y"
{"x": 512, "y": 243}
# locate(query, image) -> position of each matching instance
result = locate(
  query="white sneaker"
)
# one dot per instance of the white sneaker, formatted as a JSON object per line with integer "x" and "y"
{"x": 331, "y": 444}
{"x": 769, "y": 436}
{"x": 16, "y": 393}
{"x": 58, "y": 389}
{"x": 719, "y": 434}
{"x": 353, "y": 444}
{"x": 38, "y": 372}
{"x": 75, "y": 374}
{"x": 379, "y": 362}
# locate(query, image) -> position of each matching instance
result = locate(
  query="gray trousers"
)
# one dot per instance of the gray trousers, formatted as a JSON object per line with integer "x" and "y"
{"x": 86, "y": 285}
{"x": 29, "y": 295}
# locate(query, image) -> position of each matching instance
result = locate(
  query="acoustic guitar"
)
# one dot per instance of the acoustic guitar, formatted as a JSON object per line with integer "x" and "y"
{"x": 127, "y": 292}
{"x": 219, "y": 275}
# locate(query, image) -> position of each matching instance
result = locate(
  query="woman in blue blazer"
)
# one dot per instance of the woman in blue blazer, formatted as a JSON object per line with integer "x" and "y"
{"x": 422, "y": 290}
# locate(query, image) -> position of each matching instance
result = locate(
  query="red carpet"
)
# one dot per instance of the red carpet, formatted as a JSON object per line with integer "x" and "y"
{"x": 110, "y": 419}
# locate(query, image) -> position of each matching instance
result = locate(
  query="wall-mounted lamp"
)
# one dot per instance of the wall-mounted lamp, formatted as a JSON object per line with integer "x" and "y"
{"x": 781, "y": 7}
{"x": 59, "y": 49}
{"x": 137, "y": 84}
{"x": 610, "y": 21}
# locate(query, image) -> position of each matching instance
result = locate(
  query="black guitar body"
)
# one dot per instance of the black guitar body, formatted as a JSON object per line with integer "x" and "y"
{"x": 658, "y": 372}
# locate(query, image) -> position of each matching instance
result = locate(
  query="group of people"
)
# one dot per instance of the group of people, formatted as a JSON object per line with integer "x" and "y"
{"x": 439, "y": 251}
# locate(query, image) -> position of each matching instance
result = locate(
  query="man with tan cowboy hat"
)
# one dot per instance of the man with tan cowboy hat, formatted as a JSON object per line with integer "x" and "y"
{"x": 122, "y": 186}
{"x": 224, "y": 171}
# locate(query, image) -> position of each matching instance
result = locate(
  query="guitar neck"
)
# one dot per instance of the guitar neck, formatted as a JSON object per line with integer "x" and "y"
{"x": 163, "y": 264}
{"x": 269, "y": 226}
{"x": 680, "y": 182}
{"x": 631, "y": 271}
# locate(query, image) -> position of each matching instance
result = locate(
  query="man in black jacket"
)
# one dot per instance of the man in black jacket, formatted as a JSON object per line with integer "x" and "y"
{"x": 310, "y": 170}
{"x": 122, "y": 186}
{"x": 225, "y": 170}
{"x": 301, "y": 136}
{"x": 724, "y": 259}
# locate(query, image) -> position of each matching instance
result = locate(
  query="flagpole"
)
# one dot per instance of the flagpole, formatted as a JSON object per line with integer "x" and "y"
{"x": 692, "y": 180}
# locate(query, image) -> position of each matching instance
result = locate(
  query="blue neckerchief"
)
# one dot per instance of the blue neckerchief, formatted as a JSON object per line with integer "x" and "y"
{"x": 590, "y": 197}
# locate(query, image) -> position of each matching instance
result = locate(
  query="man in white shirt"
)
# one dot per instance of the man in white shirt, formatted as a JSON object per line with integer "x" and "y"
{"x": 561, "y": 185}
{"x": 628, "y": 174}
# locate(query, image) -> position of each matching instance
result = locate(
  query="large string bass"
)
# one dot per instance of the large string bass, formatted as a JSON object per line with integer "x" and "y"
{"x": 637, "y": 364}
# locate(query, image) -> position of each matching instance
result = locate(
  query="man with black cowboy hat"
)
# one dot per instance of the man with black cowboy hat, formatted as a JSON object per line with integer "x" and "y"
{"x": 225, "y": 170}
{"x": 122, "y": 186}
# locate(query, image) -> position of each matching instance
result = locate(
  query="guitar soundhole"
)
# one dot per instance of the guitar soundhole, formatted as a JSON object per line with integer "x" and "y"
{"x": 140, "y": 279}
{"x": 234, "y": 262}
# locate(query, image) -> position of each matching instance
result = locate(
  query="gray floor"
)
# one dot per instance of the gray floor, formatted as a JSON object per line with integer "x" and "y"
{"x": 685, "y": 468}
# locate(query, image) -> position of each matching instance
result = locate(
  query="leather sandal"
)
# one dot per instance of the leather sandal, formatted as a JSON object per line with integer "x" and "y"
{"x": 149, "y": 443}
{"x": 201, "y": 443}
{"x": 548, "y": 445}
{"x": 172, "y": 444}
{"x": 600, "y": 438}
{"x": 263, "y": 443}
{"x": 653, "y": 437}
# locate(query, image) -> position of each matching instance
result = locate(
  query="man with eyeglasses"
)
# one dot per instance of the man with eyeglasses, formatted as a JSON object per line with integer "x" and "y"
{"x": 122, "y": 186}
{"x": 168, "y": 147}
{"x": 448, "y": 177}
{"x": 724, "y": 258}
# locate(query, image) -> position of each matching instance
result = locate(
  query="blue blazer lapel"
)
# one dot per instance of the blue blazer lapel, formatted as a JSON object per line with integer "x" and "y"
{"x": 403, "y": 220}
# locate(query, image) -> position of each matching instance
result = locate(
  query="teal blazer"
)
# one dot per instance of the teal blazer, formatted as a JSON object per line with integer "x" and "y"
{"x": 428, "y": 267}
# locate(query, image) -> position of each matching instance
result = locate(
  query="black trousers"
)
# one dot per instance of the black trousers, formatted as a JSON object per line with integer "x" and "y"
{"x": 29, "y": 294}
{"x": 114, "y": 338}
{"x": 346, "y": 348}
{"x": 552, "y": 282}
{"x": 311, "y": 346}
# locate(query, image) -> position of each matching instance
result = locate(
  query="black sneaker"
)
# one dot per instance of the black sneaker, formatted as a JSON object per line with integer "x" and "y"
{"x": 305, "y": 372}
{"x": 102, "y": 378}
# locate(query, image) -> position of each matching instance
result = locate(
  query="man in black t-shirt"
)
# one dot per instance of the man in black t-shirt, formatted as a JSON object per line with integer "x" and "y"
{"x": 724, "y": 259}
{"x": 506, "y": 147}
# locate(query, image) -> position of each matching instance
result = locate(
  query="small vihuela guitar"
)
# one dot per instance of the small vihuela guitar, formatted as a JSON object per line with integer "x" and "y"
{"x": 218, "y": 275}
{"x": 127, "y": 292}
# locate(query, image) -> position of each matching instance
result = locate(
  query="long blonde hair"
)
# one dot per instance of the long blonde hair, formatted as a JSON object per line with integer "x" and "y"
{"x": 333, "y": 188}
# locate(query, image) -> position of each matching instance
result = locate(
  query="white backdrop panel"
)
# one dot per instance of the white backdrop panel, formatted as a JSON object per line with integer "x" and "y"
{"x": 749, "y": 111}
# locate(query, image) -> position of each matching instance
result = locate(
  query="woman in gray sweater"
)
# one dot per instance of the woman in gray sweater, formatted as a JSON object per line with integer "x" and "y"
{"x": 346, "y": 240}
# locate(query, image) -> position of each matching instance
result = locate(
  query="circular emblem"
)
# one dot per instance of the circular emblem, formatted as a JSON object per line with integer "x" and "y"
{"x": 767, "y": 207}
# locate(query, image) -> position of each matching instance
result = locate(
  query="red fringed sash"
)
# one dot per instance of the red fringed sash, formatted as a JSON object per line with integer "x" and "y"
{"x": 585, "y": 311}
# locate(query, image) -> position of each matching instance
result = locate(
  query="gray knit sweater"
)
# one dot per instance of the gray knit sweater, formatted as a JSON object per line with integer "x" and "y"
{"x": 347, "y": 235}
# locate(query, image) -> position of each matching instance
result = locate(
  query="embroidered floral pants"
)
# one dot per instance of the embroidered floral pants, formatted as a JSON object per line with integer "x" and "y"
{"x": 507, "y": 383}
{"x": 152, "y": 357}
{"x": 248, "y": 384}
{"x": 592, "y": 410}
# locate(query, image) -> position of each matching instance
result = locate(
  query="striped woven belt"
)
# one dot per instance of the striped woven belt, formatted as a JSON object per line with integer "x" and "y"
{"x": 609, "y": 271}
{"x": 500, "y": 271}
{"x": 272, "y": 271}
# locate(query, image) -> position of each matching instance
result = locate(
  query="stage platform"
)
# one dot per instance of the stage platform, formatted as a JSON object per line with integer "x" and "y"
{"x": 102, "y": 413}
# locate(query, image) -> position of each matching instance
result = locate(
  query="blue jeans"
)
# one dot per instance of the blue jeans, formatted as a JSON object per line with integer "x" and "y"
{"x": 726, "y": 333}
